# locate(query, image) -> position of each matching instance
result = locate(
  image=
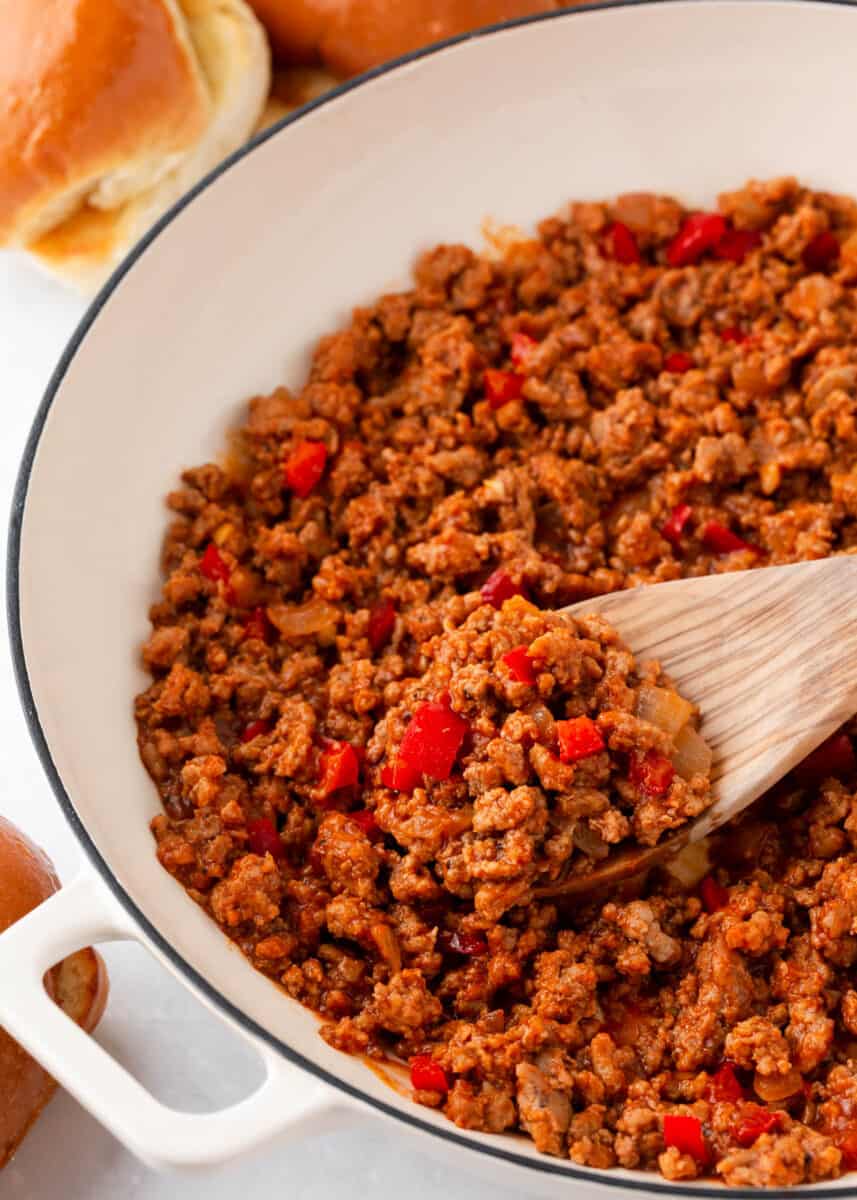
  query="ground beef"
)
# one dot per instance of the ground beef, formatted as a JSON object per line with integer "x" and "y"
{"x": 626, "y": 398}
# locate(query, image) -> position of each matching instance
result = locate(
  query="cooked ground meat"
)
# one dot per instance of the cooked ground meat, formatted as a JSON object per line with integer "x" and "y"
{"x": 372, "y": 738}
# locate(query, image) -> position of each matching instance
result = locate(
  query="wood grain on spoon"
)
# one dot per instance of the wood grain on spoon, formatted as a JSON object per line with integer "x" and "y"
{"x": 770, "y": 658}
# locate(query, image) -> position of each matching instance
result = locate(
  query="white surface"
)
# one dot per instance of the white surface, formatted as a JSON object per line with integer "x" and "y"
{"x": 152, "y": 1025}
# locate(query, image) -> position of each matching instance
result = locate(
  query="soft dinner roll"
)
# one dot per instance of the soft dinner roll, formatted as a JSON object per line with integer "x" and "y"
{"x": 110, "y": 110}
{"x": 293, "y": 86}
{"x": 78, "y": 985}
{"x": 349, "y": 36}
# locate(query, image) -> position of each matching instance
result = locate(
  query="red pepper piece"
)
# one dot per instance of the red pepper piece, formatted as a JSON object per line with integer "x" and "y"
{"x": 833, "y": 757}
{"x": 258, "y": 626}
{"x": 734, "y": 334}
{"x": 736, "y": 244}
{"x": 255, "y": 729}
{"x": 502, "y": 386}
{"x": 725, "y": 1084}
{"x": 621, "y": 245}
{"x": 522, "y": 347}
{"x": 521, "y": 666}
{"x": 847, "y": 1146}
{"x": 382, "y": 622}
{"x": 685, "y": 1133}
{"x": 471, "y": 945}
{"x": 263, "y": 838}
{"x": 651, "y": 773}
{"x": 339, "y": 767}
{"x": 674, "y": 525}
{"x": 399, "y": 775}
{"x": 720, "y": 540}
{"x": 678, "y": 362}
{"x": 499, "y": 587}
{"x": 755, "y": 1121}
{"x": 700, "y": 233}
{"x": 305, "y": 466}
{"x": 433, "y": 739}
{"x": 578, "y": 738}
{"x": 213, "y": 566}
{"x": 822, "y": 252}
{"x": 428, "y": 1075}
{"x": 365, "y": 819}
{"x": 713, "y": 895}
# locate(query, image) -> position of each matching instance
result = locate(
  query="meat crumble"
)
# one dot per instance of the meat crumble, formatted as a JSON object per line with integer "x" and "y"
{"x": 373, "y": 739}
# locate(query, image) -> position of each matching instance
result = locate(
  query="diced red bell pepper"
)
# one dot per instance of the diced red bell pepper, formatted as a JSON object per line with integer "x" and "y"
{"x": 339, "y": 767}
{"x": 822, "y": 252}
{"x": 713, "y": 895}
{"x": 399, "y": 775}
{"x": 522, "y": 347}
{"x": 720, "y": 540}
{"x": 428, "y": 1075}
{"x": 433, "y": 739}
{"x": 621, "y": 245}
{"x": 471, "y": 945}
{"x": 578, "y": 738}
{"x": 499, "y": 587}
{"x": 685, "y": 1134}
{"x": 502, "y": 386}
{"x": 521, "y": 666}
{"x": 736, "y": 244}
{"x": 700, "y": 233}
{"x": 755, "y": 1121}
{"x": 833, "y": 757}
{"x": 213, "y": 566}
{"x": 365, "y": 819}
{"x": 734, "y": 334}
{"x": 382, "y": 622}
{"x": 678, "y": 362}
{"x": 305, "y": 466}
{"x": 263, "y": 838}
{"x": 725, "y": 1085}
{"x": 255, "y": 729}
{"x": 847, "y": 1146}
{"x": 258, "y": 626}
{"x": 673, "y": 527}
{"x": 651, "y": 773}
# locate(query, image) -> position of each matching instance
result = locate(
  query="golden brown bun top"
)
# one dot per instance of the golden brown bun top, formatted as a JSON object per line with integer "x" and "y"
{"x": 92, "y": 94}
{"x": 349, "y": 36}
{"x": 27, "y": 876}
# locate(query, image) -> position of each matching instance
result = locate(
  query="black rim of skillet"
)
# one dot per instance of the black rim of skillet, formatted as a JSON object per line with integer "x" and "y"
{"x": 543, "y": 1164}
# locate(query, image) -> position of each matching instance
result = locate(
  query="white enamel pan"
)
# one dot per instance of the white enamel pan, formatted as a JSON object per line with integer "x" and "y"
{"x": 225, "y": 298}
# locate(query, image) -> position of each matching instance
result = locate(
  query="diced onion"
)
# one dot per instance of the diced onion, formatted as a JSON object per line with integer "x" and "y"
{"x": 773, "y": 1088}
{"x": 691, "y": 864}
{"x": 590, "y": 842}
{"x": 663, "y": 708}
{"x": 387, "y": 945}
{"x": 313, "y": 619}
{"x": 692, "y": 753}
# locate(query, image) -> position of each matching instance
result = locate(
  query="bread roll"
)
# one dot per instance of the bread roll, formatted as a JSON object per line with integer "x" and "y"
{"x": 110, "y": 110}
{"x": 349, "y": 36}
{"x": 78, "y": 985}
{"x": 293, "y": 86}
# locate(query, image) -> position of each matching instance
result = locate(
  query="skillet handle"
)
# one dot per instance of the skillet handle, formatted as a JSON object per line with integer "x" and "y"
{"x": 289, "y": 1101}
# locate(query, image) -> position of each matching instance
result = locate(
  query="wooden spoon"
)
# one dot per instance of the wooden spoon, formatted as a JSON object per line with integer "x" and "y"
{"x": 770, "y": 657}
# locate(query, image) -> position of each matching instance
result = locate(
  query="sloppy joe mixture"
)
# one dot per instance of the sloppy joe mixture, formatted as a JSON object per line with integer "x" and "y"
{"x": 374, "y": 740}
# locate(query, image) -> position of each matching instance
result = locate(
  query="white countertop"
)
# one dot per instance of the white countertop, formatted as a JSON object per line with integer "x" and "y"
{"x": 178, "y": 1050}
